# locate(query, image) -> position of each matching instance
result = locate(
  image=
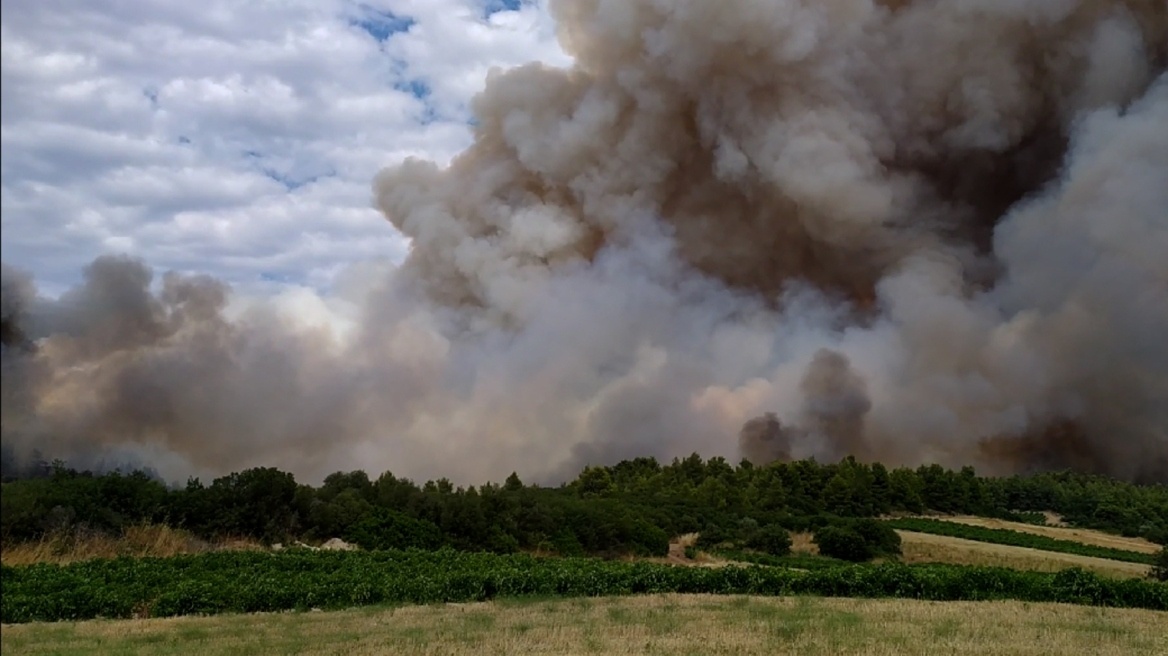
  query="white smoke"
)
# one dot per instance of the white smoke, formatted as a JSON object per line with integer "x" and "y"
{"x": 913, "y": 231}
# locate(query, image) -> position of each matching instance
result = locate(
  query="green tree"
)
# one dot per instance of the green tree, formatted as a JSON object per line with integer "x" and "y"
{"x": 594, "y": 482}
{"x": 388, "y": 529}
{"x": 881, "y": 489}
{"x": 513, "y": 484}
{"x": 255, "y": 502}
{"x": 905, "y": 491}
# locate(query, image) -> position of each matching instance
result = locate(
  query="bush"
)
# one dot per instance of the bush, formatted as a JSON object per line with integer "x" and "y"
{"x": 881, "y": 538}
{"x": 388, "y": 529}
{"x": 772, "y": 539}
{"x": 857, "y": 540}
{"x": 713, "y": 536}
{"x": 1159, "y": 571}
{"x": 646, "y": 539}
{"x": 843, "y": 543}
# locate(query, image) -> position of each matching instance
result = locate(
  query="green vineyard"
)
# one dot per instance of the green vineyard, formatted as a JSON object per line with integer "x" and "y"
{"x": 254, "y": 582}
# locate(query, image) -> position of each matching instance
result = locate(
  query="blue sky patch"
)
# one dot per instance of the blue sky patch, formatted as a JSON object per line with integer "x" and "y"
{"x": 418, "y": 88}
{"x": 496, "y": 6}
{"x": 381, "y": 25}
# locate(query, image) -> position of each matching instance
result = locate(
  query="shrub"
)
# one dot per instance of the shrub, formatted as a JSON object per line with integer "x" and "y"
{"x": 713, "y": 536}
{"x": 843, "y": 543}
{"x": 881, "y": 538}
{"x": 1159, "y": 569}
{"x": 388, "y": 529}
{"x": 772, "y": 539}
{"x": 648, "y": 540}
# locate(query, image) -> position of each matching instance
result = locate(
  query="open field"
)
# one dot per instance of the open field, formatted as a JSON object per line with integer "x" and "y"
{"x": 657, "y": 624}
{"x": 928, "y": 548}
{"x": 1016, "y": 539}
{"x": 1083, "y": 535}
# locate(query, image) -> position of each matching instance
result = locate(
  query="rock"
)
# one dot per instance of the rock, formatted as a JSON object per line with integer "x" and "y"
{"x": 337, "y": 544}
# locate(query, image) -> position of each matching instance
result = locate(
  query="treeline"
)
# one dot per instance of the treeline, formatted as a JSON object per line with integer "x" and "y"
{"x": 254, "y": 582}
{"x": 630, "y": 507}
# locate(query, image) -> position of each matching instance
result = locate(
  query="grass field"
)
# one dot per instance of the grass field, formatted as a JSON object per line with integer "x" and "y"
{"x": 928, "y": 548}
{"x": 659, "y": 624}
{"x": 1083, "y": 535}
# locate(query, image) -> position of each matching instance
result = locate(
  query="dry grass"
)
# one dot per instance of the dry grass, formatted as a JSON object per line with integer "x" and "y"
{"x": 1083, "y": 535}
{"x": 659, "y": 624}
{"x": 928, "y": 548}
{"x": 138, "y": 541}
{"x": 677, "y": 555}
{"x": 804, "y": 543}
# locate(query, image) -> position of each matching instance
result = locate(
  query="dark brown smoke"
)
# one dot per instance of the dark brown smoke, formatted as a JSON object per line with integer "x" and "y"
{"x": 835, "y": 401}
{"x": 764, "y": 439}
{"x": 909, "y": 231}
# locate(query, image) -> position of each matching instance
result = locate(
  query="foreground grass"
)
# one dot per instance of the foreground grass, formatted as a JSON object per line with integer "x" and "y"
{"x": 655, "y": 624}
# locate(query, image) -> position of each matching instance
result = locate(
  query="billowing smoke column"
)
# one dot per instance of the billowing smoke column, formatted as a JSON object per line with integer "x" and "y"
{"x": 909, "y": 231}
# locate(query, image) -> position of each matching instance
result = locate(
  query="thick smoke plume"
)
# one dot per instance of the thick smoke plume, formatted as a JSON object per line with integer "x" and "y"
{"x": 909, "y": 231}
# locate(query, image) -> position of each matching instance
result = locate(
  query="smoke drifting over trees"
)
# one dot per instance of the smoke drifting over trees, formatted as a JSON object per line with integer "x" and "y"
{"x": 912, "y": 231}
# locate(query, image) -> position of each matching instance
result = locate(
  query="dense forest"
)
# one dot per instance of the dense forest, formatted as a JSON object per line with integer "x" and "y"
{"x": 631, "y": 507}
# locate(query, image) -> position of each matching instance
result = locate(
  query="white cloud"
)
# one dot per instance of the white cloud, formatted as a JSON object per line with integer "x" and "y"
{"x": 237, "y": 139}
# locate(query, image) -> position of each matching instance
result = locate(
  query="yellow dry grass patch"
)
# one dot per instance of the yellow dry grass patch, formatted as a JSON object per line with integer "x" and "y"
{"x": 1083, "y": 535}
{"x": 928, "y": 548}
{"x": 804, "y": 543}
{"x": 677, "y": 556}
{"x": 658, "y": 624}
{"x": 139, "y": 541}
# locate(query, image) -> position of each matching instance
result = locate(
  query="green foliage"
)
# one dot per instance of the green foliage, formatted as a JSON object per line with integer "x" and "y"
{"x": 1014, "y": 538}
{"x": 713, "y": 536}
{"x": 773, "y": 540}
{"x": 882, "y": 538}
{"x": 844, "y": 543}
{"x": 264, "y": 582}
{"x": 1159, "y": 569}
{"x": 857, "y": 540}
{"x": 630, "y": 507}
{"x": 386, "y": 529}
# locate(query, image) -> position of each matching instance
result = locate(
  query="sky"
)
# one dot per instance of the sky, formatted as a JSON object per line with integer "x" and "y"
{"x": 233, "y": 138}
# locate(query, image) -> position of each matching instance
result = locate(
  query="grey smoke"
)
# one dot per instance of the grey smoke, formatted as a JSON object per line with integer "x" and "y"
{"x": 910, "y": 231}
{"x": 764, "y": 439}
